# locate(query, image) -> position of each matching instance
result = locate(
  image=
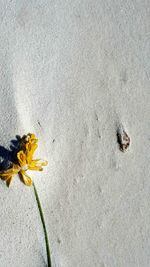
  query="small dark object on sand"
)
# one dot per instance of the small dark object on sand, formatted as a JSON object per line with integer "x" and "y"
{"x": 123, "y": 139}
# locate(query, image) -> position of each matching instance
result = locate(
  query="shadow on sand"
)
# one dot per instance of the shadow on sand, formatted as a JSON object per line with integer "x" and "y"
{"x": 8, "y": 156}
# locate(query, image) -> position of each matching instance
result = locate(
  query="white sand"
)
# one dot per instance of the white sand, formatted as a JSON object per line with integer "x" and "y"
{"x": 71, "y": 71}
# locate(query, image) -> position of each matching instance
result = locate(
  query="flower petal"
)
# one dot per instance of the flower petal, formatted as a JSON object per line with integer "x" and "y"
{"x": 7, "y": 175}
{"x": 4, "y": 178}
{"x": 25, "y": 178}
{"x": 11, "y": 171}
{"x": 21, "y": 158}
{"x": 30, "y": 149}
{"x": 32, "y": 138}
{"x": 8, "y": 180}
{"x": 35, "y": 168}
{"x": 39, "y": 162}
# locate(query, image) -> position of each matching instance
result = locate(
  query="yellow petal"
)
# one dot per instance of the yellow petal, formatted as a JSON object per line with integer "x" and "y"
{"x": 11, "y": 171}
{"x": 25, "y": 178}
{"x": 21, "y": 158}
{"x": 30, "y": 137}
{"x": 35, "y": 168}
{"x": 4, "y": 178}
{"x": 7, "y": 175}
{"x": 16, "y": 168}
{"x": 36, "y": 165}
{"x": 39, "y": 162}
{"x": 30, "y": 149}
{"x": 8, "y": 180}
{"x": 33, "y": 137}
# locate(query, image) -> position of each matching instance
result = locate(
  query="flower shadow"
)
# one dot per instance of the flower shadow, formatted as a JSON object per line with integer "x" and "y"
{"x": 8, "y": 156}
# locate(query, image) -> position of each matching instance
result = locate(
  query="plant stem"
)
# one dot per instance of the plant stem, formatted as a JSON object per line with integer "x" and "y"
{"x": 44, "y": 226}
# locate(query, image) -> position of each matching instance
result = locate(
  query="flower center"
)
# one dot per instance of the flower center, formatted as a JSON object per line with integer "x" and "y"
{"x": 24, "y": 168}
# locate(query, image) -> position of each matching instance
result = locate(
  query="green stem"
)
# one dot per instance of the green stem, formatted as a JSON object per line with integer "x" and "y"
{"x": 44, "y": 226}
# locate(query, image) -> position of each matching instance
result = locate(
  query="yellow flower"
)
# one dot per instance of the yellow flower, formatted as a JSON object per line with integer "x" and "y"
{"x": 28, "y": 145}
{"x": 27, "y": 163}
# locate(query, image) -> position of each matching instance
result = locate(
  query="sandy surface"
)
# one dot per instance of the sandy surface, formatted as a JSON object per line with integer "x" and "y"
{"x": 72, "y": 71}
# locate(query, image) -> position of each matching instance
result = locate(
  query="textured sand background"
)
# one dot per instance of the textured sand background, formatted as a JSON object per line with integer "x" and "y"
{"x": 71, "y": 71}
